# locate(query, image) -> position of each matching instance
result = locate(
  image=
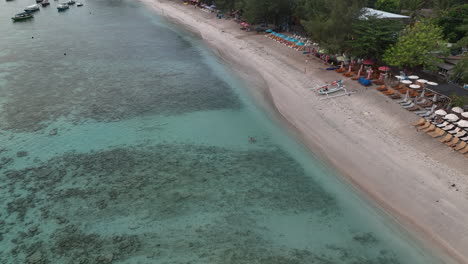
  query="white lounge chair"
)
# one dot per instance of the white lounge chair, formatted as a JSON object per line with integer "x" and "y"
{"x": 447, "y": 128}
{"x": 454, "y": 131}
{"x": 443, "y": 124}
{"x": 460, "y": 134}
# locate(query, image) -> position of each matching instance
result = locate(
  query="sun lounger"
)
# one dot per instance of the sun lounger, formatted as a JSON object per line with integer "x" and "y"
{"x": 426, "y": 125}
{"x": 454, "y": 131}
{"x": 437, "y": 133}
{"x": 464, "y": 150}
{"x": 443, "y": 124}
{"x": 420, "y": 122}
{"x": 429, "y": 129}
{"x": 460, "y": 146}
{"x": 464, "y": 138}
{"x": 447, "y": 128}
{"x": 461, "y": 134}
{"x": 409, "y": 106}
{"x": 447, "y": 138}
{"x": 453, "y": 142}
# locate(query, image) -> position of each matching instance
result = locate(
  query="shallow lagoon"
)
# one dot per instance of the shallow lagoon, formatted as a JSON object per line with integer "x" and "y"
{"x": 124, "y": 140}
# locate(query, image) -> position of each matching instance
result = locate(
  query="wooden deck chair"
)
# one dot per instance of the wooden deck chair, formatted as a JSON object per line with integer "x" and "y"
{"x": 464, "y": 150}
{"x": 437, "y": 133}
{"x": 460, "y": 146}
{"x": 426, "y": 125}
{"x": 381, "y": 88}
{"x": 429, "y": 129}
{"x": 420, "y": 122}
{"x": 447, "y": 138}
{"x": 453, "y": 142}
{"x": 389, "y": 92}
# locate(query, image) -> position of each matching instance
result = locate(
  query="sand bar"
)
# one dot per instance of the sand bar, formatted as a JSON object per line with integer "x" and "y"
{"x": 366, "y": 137}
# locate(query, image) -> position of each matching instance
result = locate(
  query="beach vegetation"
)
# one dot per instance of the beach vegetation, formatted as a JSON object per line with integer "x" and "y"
{"x": 267, "y": 11}
{"x": 458, "y": 100}
{"x": 421, "y": 44}
{"x": 329, "y": 21}
{"x": 460, "y": 71}
{"x": 388, "y": 5}
{"x": 454, "y": 22}
{"x": 371, "y": 37}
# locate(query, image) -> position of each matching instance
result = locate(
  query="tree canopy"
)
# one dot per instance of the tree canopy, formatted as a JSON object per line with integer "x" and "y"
{"x": 418, "y": 45}
{"x": 371, "y": 37}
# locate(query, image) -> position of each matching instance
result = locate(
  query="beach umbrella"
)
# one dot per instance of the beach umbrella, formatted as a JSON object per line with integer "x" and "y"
{"x": 414, "y": 86}
{"x": 422, "y": 94}
{"x": 434, "y": 99}
{"x": 340, "y": 58}
{"x": 457, "y": 109}
{"x": 369, "y": 73}
{"x": 464, "y": 114}
{"x": 300, "y": 44}
{"x": 406, "y": 82}
{"x": 440, "y": 112}
{"x": 451, "y": 117}
{"x": 432, "y": 83}
{"x": 368, "y": 62}
{"x": 294, "y": 40}
{"x": 384, "y": 68}
{"x": 350, "y": 67}
{"x": 422, "y": 81}
{"x": 269, "y": 31}
{"x": 413, "y": 77}
{"x": 399, "y": 77}
{"x": 462, "y": 123}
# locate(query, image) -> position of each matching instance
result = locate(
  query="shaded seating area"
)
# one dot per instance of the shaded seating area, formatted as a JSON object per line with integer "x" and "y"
{"x": 449, "y": 127}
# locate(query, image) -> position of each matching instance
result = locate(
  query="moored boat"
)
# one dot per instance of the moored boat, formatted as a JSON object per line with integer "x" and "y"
{"x": 62, "y": 7}
{"x": 45, "y": 3}
{"x": 79, "y": 4}
{"x": 32, "y": 8}
{"x": 22, "y": 16}
{"x": 38, "y": 1}
{"x": 71, "y": 2}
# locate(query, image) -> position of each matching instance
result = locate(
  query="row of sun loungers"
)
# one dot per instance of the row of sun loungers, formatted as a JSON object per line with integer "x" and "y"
{"x": 446, "y": 132}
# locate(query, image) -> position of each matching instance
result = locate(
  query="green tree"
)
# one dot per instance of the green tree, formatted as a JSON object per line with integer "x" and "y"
{"x": 388, "y": 5}
{"x": 460, "y": 71}
{"x": 371, "y": 37}
{"x": 328, "y": 21}
{"x": 271, "y": 11}
{"x": 454, "y": 22}
{"x": 412, "y": 7}
{"x": 418, "y": 45}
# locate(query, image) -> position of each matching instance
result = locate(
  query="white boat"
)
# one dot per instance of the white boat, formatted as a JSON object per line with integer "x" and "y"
{"x": 71, "y": 2}
{"x": 331, "y": 88}
{"x": 32, "y": 8}
{"x": 62, "y": 7}
{"x": 79, "y": 4}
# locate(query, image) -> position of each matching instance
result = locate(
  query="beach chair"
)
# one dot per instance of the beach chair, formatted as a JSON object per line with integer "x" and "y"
{"x": 447, "y": 128}
{"x": 420, "y": 122}
{"x": 437, "y": 133}
{"x": 389, "y": 92}
{"x": 460, "y": 146}
{"x": 443, "y": 124}
{"x": 426, "y": 125}
{"x": 414, "y": 108}
{"x": 381, "y": 88}
{"x": 464, "y": 150}
{"x": 455, "y": 131}
{"x": 447, "y": 138}
{"x": 460, "y": 134}
{"x": 453, "y": 142}
{"x": 395, "y": 96}
{"x": 409, "y": 105}
{"x": 429, "y": 129}
{"x": 464, "y": 139}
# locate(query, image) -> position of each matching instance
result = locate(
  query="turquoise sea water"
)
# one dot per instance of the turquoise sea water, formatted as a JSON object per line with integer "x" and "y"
{"x": 133, "y": 148}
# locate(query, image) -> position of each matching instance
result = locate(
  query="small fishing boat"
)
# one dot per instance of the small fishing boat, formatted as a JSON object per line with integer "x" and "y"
{"x": 79, "y": 4}
{"x": 32, "y": 8}
{"x": 71, "y": 2}
{"x": 22, "y": 16}
{"x": 62, "y": 7}
{"x": 45, "y": 3}
{"x": 38, "y": 1}
{"x": 331, "y": 88}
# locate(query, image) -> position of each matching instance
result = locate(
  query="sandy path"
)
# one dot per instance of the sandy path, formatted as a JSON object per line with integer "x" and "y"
{"x": 366, "y": 136}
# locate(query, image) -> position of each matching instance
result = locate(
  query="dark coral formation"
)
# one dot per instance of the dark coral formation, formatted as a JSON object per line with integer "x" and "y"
{"x": 122, "y": 203}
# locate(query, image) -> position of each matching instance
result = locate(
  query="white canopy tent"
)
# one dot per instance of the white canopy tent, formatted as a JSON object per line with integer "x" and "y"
{"x": 380, "y": 14}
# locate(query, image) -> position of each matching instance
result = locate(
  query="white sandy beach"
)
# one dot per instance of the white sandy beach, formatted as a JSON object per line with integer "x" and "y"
{"x": 366, "y": 136}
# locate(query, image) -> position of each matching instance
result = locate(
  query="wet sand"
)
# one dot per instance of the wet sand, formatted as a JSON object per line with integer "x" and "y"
{"x": 365, "y": 136}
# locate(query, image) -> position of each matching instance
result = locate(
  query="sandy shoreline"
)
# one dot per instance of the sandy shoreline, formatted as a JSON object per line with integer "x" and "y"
{"x": 366, "y": 136}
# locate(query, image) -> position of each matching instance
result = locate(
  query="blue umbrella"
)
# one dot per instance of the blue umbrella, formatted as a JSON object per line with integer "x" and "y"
{"x": 281, "y": 36}
{"x": 294, "y": 40}
{"x": 268, "y": 31}
{"x": 300, "y": 44}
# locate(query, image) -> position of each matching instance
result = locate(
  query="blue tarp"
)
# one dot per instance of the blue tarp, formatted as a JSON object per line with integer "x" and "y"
{"x": 364, "y": 81}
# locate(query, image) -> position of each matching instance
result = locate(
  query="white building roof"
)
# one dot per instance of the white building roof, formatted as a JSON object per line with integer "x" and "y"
{"x": 380, "y": 14}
